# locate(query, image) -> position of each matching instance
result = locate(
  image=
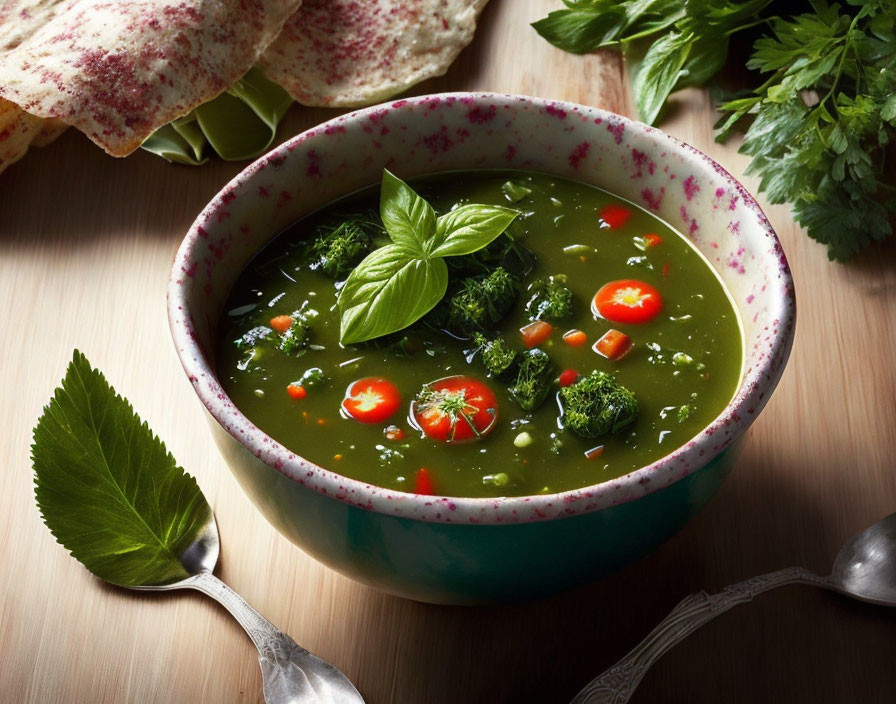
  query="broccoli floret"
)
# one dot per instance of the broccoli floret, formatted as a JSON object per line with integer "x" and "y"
{"x": 498, "y": 358}
{"x": 294, "y": 341}
{"x": 596, "y": 405}
{"x": 337, "y": 250}
{"x": 314, "y": 377}
{"x": 480, "y": 303}
{"x": 534, "y": 379}
{"x": 549, "y": 299}
{"x": 253, "y": 337}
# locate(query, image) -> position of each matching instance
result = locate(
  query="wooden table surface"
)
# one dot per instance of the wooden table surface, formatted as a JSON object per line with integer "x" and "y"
{"x": 86, "y": 242}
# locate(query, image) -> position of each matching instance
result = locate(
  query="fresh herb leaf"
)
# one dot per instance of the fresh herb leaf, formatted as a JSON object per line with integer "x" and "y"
{"x": 389, "y": 290}
{"x": 108, "y": 489}
{"x": 409, "y": 220}
{"x": 820, "y": 126}
{"x": 469, "y": 228}
{"x": 586, "y": 25}
{"x": 660, "y": 72}
{"x": 396, "y": 285}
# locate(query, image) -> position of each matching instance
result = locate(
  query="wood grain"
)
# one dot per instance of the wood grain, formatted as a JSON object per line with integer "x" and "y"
{"x": 86, "y": 242}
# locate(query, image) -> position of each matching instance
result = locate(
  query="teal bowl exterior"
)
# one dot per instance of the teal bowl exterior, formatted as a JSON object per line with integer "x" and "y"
{"x": 461, "y": 550}
{"x": 447, "y": 563}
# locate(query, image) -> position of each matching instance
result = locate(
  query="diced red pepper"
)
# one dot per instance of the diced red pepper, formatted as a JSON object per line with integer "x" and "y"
{"x": 423, "y": 482}
{"x": 652, "y": 240}
{"x": 613, "y": 345}
{"x": 536, "y": 332}
{"x": 615, "y": 216}
{"x": 568, "y": 377}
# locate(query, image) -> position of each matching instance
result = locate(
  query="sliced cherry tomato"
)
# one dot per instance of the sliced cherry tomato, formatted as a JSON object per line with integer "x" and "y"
{"x": 536, "y": 332}
{"x": 652, "y": 239}
{"x": 423, "y": 482}
{"x": 568, "y": 377}
{"x": 613, "y": 345}
{"x": 627, "y": 301}
{"x": 575, "y": 338}
{"x": 615, "y": 216}
{"x": 371, "y": 400}
{"x": 455, "y": 409}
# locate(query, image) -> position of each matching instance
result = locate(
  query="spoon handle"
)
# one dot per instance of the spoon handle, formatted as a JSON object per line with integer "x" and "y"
{"x": 616, "y": 685}
{"x": 290, "y": 674}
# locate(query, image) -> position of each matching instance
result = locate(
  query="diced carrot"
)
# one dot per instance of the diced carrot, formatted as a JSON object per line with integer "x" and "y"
{"x": 652, "y": 240}
{"x": 568, "y": 377}
{"x": 281, "y": 323}
{"x": 297, "y": 391}
{"x": 337, "y": 457}
{"x": 594, "y": 452}
{"x": 423, "y": 482}
{"x": 575, "y": 338}
{"x": 613, "y": 345}
{"x": 536, "y": 332}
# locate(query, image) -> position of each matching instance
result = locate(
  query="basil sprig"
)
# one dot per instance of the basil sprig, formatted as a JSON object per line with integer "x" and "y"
{"x": 399, "y": 283}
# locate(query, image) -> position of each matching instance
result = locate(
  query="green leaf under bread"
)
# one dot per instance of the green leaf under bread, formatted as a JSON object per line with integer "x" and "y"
{"x": 239, "y": 124}
{"x": 108, "y": 489}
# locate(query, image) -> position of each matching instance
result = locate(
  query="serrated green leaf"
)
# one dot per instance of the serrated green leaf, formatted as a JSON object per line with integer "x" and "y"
{"x": 108, "y": 489}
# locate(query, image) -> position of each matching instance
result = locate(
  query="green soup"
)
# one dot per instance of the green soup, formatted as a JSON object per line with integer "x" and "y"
{"x": 683, "y": 365}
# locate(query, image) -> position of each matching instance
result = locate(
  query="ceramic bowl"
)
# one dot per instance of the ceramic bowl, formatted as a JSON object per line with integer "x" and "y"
{"x": 462, "y": 550}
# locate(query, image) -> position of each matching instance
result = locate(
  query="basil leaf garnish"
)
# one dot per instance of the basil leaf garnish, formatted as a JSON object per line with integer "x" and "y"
{"x": 469, "y": 228}
{"x": 409, "y": 220}
{"x": 399, "y": 283}
{"x": 388, "y": 291}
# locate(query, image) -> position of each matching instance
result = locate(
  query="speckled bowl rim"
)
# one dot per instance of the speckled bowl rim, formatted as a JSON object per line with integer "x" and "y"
{"x": 756, "y": 384}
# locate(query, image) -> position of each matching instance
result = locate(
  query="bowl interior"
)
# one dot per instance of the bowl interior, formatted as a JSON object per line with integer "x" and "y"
{"x": 467, "y": 131}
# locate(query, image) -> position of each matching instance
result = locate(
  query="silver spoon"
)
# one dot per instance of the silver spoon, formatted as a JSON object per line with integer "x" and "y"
{"x": 289, "y": 673}
{"x": 865, "y": 569}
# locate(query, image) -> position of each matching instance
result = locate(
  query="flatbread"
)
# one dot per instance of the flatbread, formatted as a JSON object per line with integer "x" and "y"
{"x": 17, "y": 130}
{"x": 349, "y": 53}
{"x": 117, "y": 70}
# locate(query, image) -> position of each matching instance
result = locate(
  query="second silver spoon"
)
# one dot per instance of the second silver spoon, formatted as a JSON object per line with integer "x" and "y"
{"x": 865, "y": 569}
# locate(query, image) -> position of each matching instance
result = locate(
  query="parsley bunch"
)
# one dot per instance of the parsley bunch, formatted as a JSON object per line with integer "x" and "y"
{"x": 820, "y": 125}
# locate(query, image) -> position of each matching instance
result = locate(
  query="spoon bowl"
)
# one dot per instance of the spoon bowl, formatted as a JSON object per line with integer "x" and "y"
{"x": 290, "y": 674}
{"x": 864, "y": 569}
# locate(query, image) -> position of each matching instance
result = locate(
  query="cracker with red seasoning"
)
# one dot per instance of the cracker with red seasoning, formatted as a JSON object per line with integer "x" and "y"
{"x": 349, "y": 53}
{"x": 119, "y": 70}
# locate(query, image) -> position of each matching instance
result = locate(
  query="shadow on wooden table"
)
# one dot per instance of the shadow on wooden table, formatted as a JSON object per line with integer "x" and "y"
{"x": 785, "y": 646}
